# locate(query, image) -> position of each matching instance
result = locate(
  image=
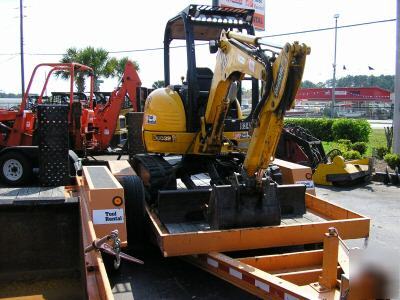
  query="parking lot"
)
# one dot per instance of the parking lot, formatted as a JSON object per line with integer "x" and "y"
{"x": 375, "y": 200}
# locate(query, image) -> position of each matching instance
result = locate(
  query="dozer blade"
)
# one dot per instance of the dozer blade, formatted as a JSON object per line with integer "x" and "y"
{"x": 343, "y": 173}
{"x": 237, "y": 207}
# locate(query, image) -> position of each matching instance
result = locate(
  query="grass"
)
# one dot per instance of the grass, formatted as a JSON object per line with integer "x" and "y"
{"x": 376, "y": 139}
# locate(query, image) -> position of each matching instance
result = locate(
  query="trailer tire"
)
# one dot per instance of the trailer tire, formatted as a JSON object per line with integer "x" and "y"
{"x": 15, "y": 169}
{"x": 134, "y": 206}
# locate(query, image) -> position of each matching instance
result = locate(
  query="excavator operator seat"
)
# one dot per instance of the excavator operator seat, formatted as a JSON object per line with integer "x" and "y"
{"x": 204, "y": 78}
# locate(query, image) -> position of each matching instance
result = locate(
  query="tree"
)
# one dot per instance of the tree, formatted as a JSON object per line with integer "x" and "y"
{"x": 120, "y": 66}
{"x": 308, "y": 84}
{"x": 158, "y": 84}
{"x": 383, "y": 81}
{"x": 98, "y": 59}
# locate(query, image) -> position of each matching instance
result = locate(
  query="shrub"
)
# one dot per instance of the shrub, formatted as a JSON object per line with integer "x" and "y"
{"x": 351, "y": 154}
{"x": 344, "y": 142}
{"x": 350, "y": 129}
{"x": 381, "y": 152}
{"x": 361, "y": 147}
{"x": 329, "y": 130}
{"x": 321, "y": 128}
{"x": 393, "y": 160}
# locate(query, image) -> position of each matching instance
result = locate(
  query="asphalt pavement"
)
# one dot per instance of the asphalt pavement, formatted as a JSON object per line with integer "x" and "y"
{"x": 379, "y": 202}
{"x": 380, "y": 124}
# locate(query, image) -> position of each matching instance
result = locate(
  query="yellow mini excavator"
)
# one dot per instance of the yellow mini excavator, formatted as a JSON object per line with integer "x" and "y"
{"x": 191, "y": 121}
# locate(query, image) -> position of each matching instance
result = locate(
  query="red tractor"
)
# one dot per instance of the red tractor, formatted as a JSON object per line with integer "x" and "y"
{"x": 90, "y": 128}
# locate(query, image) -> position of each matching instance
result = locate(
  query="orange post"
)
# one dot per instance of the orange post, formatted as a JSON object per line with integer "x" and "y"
{"x": 328, "y": 279}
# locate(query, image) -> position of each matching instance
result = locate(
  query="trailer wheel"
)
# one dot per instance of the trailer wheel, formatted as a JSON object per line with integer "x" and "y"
{"x": 15, "y": 169}
{"x": 134, "y": 205}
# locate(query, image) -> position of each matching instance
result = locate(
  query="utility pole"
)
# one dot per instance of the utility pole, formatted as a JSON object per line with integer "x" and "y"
{"x": 396, "y": 112}
{"x": 336, "y": 16}
{"x": 21, "y": 30}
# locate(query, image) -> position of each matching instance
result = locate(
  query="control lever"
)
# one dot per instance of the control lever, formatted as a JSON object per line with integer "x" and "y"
{"x": 114, "y": 250}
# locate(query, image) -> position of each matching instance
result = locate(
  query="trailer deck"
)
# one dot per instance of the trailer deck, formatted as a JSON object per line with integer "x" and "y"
{"x": 187, "y": 239}
{"x": 42, "y": 194}
{"x": 40, "y": 255}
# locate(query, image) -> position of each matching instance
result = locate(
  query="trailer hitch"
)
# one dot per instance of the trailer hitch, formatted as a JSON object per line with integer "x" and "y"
{"x": 114, "y": 250}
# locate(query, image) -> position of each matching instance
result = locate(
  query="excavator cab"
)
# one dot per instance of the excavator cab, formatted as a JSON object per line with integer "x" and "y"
{"x": 196, "y": 24}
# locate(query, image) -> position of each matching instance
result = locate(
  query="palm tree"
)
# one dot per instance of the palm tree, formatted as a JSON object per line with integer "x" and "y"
{"x": 158, "y": 84}
{"x": 120, "y": 66}
{"x": 98, "y": 59}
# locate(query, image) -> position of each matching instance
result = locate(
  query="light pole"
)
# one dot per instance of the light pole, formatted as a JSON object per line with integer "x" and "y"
{"x": 396, "y": 112}
{"x": 21, "y": 29}
{"x": 336, "y": 16}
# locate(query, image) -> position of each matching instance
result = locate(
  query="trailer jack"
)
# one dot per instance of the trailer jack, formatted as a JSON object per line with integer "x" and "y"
{"x": 114, "y": 250}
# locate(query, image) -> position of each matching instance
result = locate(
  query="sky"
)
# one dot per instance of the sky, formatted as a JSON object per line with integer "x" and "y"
{"x": 52, "y": 26}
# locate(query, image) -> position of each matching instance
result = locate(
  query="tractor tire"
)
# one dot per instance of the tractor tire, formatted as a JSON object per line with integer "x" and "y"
{"x": 15, "y": 169}
{"x": 134, "y": 207}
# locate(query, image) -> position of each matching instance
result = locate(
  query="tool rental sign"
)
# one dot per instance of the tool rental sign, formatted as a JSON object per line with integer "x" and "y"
{"x": 257, "y": 5}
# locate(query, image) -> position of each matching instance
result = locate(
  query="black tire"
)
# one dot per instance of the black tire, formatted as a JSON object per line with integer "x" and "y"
{"x": 15, "y": 169}
{"x": 135, "y": 211}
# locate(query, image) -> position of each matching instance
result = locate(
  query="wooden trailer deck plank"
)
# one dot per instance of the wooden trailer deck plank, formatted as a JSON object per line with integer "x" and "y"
{"x": 188, "y": 227}
{"x": 29, "y": 192}
{"x": 9, "y": 195}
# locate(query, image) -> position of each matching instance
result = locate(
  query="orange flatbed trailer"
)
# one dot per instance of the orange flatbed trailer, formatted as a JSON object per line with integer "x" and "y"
{"x": 312, "y": 274}
{"x": 296, "y": 275}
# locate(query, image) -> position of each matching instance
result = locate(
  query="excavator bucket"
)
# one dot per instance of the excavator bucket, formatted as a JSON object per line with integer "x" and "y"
{"x": 233, "y": 206}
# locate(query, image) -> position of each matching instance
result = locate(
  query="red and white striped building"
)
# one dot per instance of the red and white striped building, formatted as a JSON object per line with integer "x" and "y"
{"x": 361, "y": 101}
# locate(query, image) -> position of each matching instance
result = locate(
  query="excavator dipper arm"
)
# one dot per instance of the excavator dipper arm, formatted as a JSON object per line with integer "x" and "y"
{"x": 287, "y": 71}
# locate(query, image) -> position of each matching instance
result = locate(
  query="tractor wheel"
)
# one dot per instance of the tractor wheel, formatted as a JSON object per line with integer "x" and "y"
{"x": 135, "y": 211}
{"x": 15, "y": 169}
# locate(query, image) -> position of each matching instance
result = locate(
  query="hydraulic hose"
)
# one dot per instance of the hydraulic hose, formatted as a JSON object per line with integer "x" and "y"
{"x": 268, "y": 86}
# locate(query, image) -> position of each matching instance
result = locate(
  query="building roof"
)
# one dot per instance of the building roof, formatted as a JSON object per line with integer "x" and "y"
{"x": 344, "y": 94}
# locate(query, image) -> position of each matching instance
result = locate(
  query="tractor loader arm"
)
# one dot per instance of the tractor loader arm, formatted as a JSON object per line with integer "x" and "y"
{"x": 107, "y": 116}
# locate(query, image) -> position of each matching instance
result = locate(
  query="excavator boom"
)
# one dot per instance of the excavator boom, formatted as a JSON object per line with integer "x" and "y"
{"x": 233, "y": 62}
{"x": 240, "y": 54}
